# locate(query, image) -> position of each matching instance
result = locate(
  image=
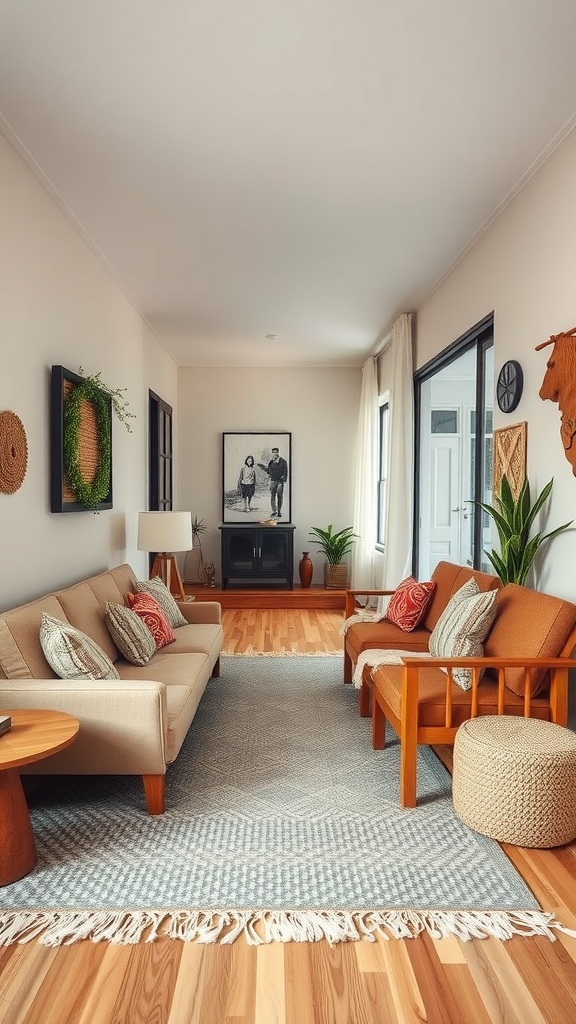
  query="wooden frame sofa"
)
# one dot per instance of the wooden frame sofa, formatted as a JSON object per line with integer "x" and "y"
{"x": 524, "y": 671}
{"x": 385, "y": 635}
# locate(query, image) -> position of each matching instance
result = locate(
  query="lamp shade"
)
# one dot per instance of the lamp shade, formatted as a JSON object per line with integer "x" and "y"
{"x": 164, "y": 531}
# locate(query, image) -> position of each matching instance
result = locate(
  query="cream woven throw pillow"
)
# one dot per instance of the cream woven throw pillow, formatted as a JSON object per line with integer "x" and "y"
{"x": 159, "y": 591}
{"x": 72, "y": 654}
{"x": 463, "y": 627}
{"x": 130, "y": 634}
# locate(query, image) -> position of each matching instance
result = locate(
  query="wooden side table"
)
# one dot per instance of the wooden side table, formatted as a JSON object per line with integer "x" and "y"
{"x": 34, "y": 734}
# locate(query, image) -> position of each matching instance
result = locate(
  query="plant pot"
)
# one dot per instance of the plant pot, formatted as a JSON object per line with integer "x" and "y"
{"x": 336, "y": 576}
{"x": 192, "y": 564}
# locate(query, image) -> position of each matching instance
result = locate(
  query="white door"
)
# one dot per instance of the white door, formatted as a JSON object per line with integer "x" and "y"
{"x": 445, "y": 515}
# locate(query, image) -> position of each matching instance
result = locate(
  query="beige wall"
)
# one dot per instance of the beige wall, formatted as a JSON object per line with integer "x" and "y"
{"x": 59, "y": 304}
{"x": 523, "y": 268}
{"x": 319, "y": 407}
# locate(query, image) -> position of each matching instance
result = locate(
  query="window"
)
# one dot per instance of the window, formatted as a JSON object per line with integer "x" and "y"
{"x": 444, "y": 421}
{"x": 382, "y": 471}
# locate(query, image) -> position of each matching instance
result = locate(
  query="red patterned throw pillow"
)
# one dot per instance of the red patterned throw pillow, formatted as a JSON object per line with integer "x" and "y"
{"x": 409, "y": 602}
{"x": 152, "y": 615}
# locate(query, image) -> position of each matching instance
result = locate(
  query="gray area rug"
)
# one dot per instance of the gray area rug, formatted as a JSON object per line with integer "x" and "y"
{"x": 281, "y": 823}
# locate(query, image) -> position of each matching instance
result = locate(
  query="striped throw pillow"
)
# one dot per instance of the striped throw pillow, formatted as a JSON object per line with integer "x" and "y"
{"x": 130, "y": 634}
{"x": 463, "y": 627}
{"x": 72, "y": 654}
{"x": 159, "y": 591}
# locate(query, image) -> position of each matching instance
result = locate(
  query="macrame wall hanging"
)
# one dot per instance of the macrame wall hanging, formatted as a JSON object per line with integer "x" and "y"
{"x": 559, "y": 385}
{"x": 509, "y": 457}
{"x": 13, "y": 452}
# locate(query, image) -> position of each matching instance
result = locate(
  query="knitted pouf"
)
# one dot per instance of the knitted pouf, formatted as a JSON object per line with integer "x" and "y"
{"x": 514, "y": 779}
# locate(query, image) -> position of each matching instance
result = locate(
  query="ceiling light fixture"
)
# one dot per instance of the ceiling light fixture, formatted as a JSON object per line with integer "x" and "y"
{"x": 272, "y": 337}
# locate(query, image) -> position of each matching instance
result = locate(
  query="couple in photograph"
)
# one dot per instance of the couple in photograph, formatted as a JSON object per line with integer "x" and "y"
{"x": 277, "y": 470}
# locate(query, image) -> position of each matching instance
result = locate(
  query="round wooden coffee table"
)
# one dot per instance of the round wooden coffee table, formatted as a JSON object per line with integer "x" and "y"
{"x": 34, "y": 735}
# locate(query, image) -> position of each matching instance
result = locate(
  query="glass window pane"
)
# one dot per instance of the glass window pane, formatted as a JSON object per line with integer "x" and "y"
{"x": 444, "y": 421}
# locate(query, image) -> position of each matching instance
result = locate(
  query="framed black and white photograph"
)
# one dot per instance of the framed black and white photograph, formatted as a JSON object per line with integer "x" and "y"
{"x": 256, "y": 474}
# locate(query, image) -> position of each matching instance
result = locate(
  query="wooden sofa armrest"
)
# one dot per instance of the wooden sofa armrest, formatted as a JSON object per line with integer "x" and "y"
{"x": 558, "y": 668}
{"x": 351, "y": 605}
{"x": 412, "y": 732}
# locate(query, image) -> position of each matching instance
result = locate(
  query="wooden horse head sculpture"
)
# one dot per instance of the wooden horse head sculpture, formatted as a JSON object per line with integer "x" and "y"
{"x": 559, "y": 385}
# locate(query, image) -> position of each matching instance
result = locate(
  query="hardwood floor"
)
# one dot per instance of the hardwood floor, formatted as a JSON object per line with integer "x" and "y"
{"x": 275, "y": 631}
{"x": 522, "y": 981}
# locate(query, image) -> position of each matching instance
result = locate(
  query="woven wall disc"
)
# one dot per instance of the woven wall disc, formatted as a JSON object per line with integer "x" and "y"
{"x": 13, "y": 452}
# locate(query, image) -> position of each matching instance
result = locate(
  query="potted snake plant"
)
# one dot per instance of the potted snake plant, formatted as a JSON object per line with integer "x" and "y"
{"x": 514, "y": 518}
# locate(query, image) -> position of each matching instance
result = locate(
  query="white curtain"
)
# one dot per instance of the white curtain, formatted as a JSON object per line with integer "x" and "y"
{"x": 398, "y": 526}
{"x": 365, "y": 489}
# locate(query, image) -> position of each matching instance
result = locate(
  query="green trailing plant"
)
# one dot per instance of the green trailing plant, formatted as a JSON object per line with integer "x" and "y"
{"x": 120, "y": 403}
{"x": 334, "y": 545}
{"x": 514, "y": 519}
{"x": 88, "y": 493}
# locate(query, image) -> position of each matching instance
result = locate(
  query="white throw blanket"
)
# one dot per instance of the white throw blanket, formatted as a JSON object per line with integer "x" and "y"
{"x": 379, "y": 657}
{"x": 364, "y": 616}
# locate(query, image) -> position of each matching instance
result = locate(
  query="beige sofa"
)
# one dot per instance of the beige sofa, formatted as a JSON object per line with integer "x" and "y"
{"x": 134, "y": 725}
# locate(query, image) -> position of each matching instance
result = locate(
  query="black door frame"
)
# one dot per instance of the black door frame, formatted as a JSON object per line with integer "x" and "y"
{"x": 480, "y": 337}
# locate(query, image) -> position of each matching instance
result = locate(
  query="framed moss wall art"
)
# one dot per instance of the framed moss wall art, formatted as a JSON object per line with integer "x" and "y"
{"x": 80, "y": 444}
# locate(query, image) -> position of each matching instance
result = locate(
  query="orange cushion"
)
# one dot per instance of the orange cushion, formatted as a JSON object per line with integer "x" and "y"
{"x": 432, "y": 695}
{"x": 363, "y": 636}
{"x": 528, "y": 624}
{"x": 449, "y": 578}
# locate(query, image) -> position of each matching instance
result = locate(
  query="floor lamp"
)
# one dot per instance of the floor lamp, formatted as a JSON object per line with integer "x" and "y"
{"x": 164, "y": 533}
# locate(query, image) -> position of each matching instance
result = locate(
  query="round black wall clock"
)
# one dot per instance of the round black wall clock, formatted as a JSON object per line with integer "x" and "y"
{"x": 509, "y": 386}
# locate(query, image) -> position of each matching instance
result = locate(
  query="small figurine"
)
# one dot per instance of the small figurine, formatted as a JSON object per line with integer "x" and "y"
{"x": 209, "y": 574}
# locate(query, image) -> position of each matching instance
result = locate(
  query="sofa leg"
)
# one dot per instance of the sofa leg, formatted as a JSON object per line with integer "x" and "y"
{"x": 378, "y": 726}
{"x": 154, "y": 789}
{"x": 216, "y": 670}
{"x": 347, "y": 667}
{"x": 364, "y": 700}
{"x": 408, "y": 755}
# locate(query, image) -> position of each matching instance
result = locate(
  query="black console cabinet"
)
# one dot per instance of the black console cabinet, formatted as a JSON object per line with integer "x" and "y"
{"x": 254, "y": 552}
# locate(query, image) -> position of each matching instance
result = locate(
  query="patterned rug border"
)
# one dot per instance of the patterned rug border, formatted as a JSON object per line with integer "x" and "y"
{"x": 128, "y": 927}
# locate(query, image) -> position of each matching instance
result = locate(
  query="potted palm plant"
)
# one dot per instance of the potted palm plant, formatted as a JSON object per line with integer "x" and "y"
{"x": 514, "y": 518}
{"x": 334, "y": 546}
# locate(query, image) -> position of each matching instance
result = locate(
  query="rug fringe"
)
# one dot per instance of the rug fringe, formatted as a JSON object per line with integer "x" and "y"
{"x": 64, "y": 927}
{"x": 251, "y": 653}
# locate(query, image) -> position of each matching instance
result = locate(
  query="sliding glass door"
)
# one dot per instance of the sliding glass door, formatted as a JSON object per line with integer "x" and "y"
{"x": 453, "y": 399}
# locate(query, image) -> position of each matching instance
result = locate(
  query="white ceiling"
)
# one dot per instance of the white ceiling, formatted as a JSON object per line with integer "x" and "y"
{"x": 308, "y": 168}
